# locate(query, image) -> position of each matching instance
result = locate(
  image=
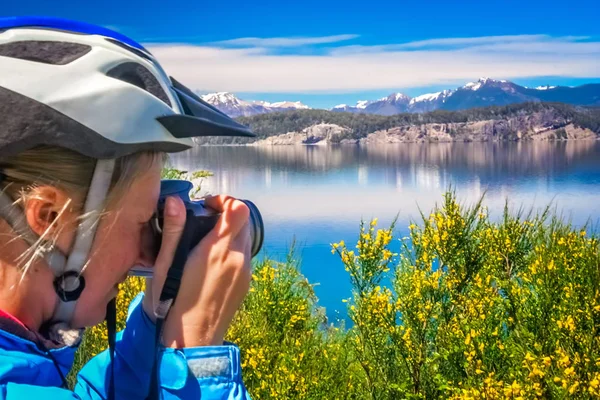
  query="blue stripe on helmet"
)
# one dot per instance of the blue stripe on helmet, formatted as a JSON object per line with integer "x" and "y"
{"x": 66, "y": 25}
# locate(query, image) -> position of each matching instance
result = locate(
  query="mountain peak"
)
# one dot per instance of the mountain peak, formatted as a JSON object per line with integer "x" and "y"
{"x": 395, "y": 97}
{"x": 430, "y": 97}
{"x": 235, "y": 107}
{"x": 221, "y": 98}
{"x": 362, "y": 104}
{"x": 482, "y": 82}
{"x": 288, "y": 104}
{"x": 482, "y": 93}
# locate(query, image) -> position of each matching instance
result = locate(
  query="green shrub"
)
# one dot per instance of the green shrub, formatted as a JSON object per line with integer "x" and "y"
{"x": 477, "y": 308}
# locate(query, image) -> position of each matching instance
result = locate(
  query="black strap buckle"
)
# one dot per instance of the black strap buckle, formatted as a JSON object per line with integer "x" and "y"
{"x": 69, "y": 286}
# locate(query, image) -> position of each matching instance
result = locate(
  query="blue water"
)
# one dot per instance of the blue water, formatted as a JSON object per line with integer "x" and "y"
{"x": 317, "y": 195}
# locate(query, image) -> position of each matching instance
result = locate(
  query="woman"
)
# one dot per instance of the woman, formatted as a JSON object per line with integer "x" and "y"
{"x": 86, "y": 116}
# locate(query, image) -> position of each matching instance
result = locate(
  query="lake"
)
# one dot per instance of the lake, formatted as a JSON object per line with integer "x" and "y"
{"x": 317, "y": 195}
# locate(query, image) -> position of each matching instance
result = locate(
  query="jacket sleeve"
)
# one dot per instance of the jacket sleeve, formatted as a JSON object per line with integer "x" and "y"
{"x": 209, "y": 372}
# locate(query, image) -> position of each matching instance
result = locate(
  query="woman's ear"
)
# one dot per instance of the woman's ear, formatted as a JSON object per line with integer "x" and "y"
{"x": 47, "y": 210}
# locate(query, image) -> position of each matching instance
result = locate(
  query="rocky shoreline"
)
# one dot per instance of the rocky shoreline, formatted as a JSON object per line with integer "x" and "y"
{"x": 481, "y": 131}
{"x": 544, "y": 124}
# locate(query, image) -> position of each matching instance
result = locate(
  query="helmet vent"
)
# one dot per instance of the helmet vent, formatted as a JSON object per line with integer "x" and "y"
{"x": 44, "y": 51}
{"x": 138, "y": 75}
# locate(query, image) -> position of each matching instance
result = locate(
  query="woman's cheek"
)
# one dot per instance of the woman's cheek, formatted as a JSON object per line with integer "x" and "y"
{"x": 133, "y": 248}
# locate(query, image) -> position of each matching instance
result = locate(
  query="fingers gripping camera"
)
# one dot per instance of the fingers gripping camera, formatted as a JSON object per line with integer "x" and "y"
{"x": 204, "y": 219}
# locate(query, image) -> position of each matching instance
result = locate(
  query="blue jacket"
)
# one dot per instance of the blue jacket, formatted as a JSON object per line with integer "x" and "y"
{"x": 28, "y": 372}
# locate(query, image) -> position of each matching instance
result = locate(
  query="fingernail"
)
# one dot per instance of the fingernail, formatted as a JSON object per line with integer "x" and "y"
{"x": 171, "y": 209}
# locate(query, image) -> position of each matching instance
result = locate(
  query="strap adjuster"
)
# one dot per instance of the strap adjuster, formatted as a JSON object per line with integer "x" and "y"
{"x": 69, "y": 286}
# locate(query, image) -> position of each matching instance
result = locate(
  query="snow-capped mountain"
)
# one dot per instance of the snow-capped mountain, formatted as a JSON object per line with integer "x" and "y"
{"x": 288, "y": 105}
{"x": 481, "y": 82}
{"x": 486, "y": 92}
{"x": 429, "y": 101}
{"x": 481, "y": 93}
{"x": 359, "y": 107}
{"x": 362, "y": 104}
{"x": 393, "y": 104}
{"x": 235, "y": 107}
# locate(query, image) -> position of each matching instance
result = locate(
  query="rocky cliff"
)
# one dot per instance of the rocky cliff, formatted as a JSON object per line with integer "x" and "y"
{"x": 545, "y": 124}
{"x": 316, "y": 134}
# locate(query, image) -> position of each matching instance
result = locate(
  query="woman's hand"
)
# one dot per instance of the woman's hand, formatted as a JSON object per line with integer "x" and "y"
{"x": 216, "y": 276}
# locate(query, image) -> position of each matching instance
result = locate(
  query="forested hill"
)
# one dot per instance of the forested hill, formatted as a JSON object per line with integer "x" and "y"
{"x": 358, "y": 126}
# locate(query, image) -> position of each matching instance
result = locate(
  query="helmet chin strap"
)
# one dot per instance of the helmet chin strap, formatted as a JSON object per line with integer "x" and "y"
{"x": 69, "y": 284}
{"x": 67, "y": 269}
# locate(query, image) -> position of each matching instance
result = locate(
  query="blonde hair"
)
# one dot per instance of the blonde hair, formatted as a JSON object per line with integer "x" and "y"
{"x": 71, "y": 172}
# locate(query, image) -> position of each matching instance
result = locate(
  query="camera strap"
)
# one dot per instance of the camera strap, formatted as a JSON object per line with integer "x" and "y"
{"x": 111, "y": 327}
{"x": 168, "y": 295}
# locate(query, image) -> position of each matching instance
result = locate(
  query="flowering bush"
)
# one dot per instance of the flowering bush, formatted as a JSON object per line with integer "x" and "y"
{"x": 474, "y": 308}
{"x": 478, "y": 309}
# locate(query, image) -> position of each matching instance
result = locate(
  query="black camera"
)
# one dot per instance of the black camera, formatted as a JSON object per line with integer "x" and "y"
{"x": 201, "y": 218}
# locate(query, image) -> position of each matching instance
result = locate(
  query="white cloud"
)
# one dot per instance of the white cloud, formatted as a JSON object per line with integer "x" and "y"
{"x": 284, "y": 41}
{"x": 486, "y": 40}
{"x": 352, "y": 68}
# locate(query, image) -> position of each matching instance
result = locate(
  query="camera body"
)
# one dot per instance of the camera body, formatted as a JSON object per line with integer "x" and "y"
{"x": 201, "y": 218}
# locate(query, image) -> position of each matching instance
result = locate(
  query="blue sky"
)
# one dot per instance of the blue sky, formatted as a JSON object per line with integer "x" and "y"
{"x": 329, "y": 52}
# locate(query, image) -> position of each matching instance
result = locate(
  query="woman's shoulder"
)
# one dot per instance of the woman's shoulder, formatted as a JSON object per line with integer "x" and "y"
{"x": 23, "y": 351}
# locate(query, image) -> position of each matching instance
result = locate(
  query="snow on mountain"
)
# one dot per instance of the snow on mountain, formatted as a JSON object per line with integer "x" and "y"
{"x": 425, "y": 97}
{"x": 481, "y": 82}
{"x": 222, "y": 98}
{"x": 289, "y": 104}
{"x": 476, "y": 85}
{"x": 393, "y": 104}
{"x": 362, "y": 104}
{"x": 482, "y": 93}
{"x": 231, "y": 105}
{"x": 429, "y": 101}
{"x": 235, "y": 107}
{"x": 393, "y": 98}
{"x": 431, "y": 96}
{"x": 398, "y": 97}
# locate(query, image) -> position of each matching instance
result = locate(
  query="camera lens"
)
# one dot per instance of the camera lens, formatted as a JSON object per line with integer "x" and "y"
{"x": 257, "y": 229}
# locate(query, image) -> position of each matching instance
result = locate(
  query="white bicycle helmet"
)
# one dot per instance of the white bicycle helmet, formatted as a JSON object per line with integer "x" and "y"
{"x": 97, "y": 92}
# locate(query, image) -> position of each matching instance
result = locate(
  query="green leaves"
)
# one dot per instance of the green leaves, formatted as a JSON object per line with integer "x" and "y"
{"x": 195, "y": 177}
{"x": 478, "y": 307}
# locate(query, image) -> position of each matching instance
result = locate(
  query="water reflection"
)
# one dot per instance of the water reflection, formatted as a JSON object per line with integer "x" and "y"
{"x": 318, "y": 194}
{"x": 522, "y": 158}
{"x": 395, "y": 178}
